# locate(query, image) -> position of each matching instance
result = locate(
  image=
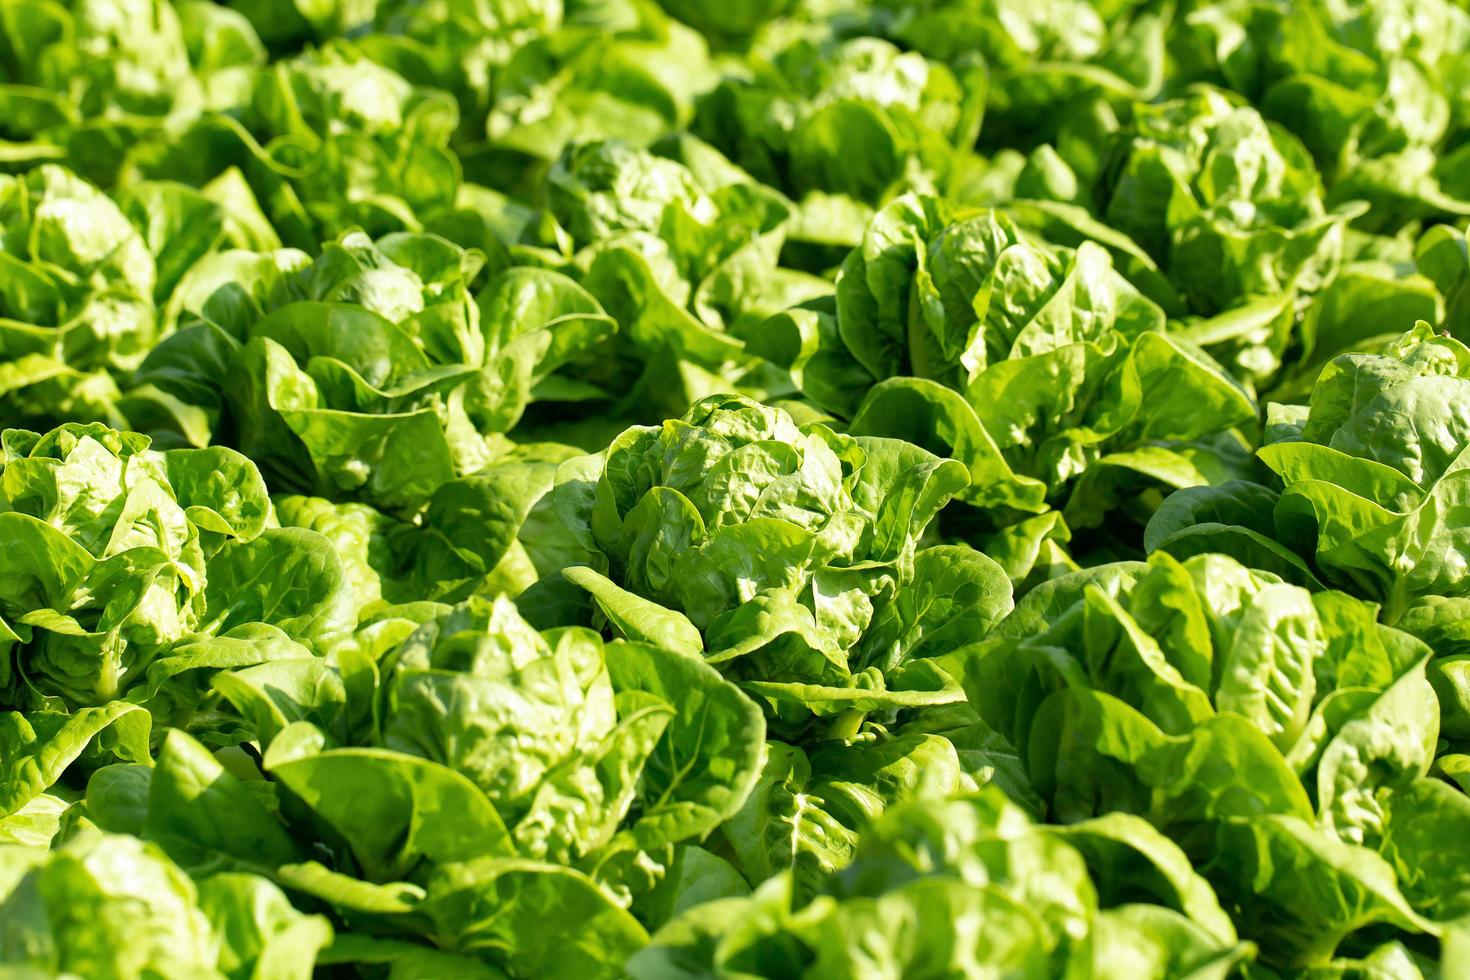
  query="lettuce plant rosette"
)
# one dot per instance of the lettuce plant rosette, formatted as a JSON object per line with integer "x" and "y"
{"x": 522, "y": 81}
{"x": 76, "y": 298}
{"x": 1229, "y": 205}
{"x": 89, "y": 84}
{"x": 324, "y": 142}
{"x": 1375, "y": 91}
{"x": 102, "y": 904}
{"x": 622, "y": 71}
{"x": 815, "y": 803}
{"x": 1231, "y": 209}
{"x": 1041, "y": 368}
{"x": 1123, "y": 688}
{"x": 787, "y": 554}
{"x": 683, "y": 249}
{"x": 1371, "y": 481}
{"x": 458, "y": 48}
{"x": 721, "y": 232}
{"x": 1060, "y": 73}
{"x": 122, "y": 553}
{"x": 971, "y": 886}
{"x": 561, "y": 772}
{"x": 133, "y": 577}
{"x": 92, "y": 283}
{"x": 375, "y": 372}
{"x": 840, "y": 125}
{"x": 1392, "y": 430}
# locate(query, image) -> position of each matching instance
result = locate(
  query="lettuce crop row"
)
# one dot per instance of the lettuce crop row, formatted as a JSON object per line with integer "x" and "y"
{"x": 777, "y": 489}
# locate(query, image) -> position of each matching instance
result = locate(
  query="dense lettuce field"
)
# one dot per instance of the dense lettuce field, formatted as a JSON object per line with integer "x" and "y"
{"x": 734, "y": 488}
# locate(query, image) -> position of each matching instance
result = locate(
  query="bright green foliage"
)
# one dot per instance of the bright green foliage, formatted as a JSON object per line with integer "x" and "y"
{"x": 748, "y": 489}
{"x": 788, "y": 556}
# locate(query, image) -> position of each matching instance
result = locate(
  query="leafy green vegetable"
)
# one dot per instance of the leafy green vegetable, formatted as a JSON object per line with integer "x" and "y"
{"x": 122, "y": 554}
{"x": 1042, "y": 369}
{"x": 112, "y": 905}
{"x": 968, "y": 886}
{"x": 784, "y": 553}
{"x": 1370, "y": 476}
{"x": 761, "y": 489}
{"x": 374, "y": 371}
{"x": 858, "y": 118}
